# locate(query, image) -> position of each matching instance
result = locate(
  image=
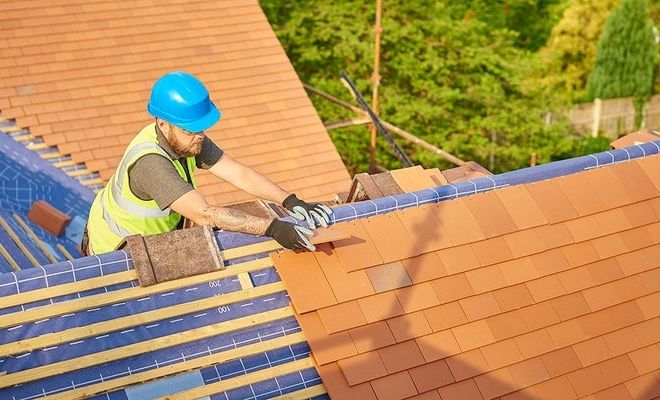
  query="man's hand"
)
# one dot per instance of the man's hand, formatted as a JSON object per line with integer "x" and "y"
{"x": 289, "y": 235}
{"x": 308, "y": 212}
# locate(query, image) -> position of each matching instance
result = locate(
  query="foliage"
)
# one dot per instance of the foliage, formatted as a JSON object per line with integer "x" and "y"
{"x": 569, "y": 55}
{"x": 626, "y": 57}
{"x": 456, "y": 82}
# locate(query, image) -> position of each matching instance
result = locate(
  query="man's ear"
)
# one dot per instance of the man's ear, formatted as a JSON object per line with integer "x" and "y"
{"x": 163, "y": 126}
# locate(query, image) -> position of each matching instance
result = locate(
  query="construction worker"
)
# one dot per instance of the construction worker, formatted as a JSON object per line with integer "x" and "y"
{"x": 154, "y": 184}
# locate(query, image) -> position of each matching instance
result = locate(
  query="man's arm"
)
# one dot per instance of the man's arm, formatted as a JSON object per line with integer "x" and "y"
{"x": 193, "y": 206}
{"x": 247, "y": 179}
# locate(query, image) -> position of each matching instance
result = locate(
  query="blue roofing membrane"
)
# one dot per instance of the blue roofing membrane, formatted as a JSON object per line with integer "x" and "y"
{"x": 108, "y": 265}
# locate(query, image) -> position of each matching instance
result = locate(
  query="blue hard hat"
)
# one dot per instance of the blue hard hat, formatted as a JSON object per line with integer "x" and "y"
{"x": 182, "y": 100}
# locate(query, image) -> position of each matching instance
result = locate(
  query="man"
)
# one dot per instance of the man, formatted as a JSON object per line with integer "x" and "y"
{"x": 154, "y": 184}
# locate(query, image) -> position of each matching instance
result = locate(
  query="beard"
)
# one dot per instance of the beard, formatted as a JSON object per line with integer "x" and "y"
{"x": 185, "y": 150}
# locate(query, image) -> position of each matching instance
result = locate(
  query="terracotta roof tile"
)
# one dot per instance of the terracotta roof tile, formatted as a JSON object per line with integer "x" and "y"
{"x": 344, "y": 285}
{"x": 650, "y": 167}
{"x": 325, "y": 348}
{"x": 412, "y": 179}
{"x": 409, "y": 326}
{"x": 539, "y": 315}
{"x": 519, "y": 270}
{"x": 438, "y": 345}
{"x": 507, "y": 325}
{"x": 380, "y": 306}
{"x": 466, "y": 389}
{"x": 388, "y": 276}
{"x": 431, "y": 395}
{"x": 501, "y": 354}
{"x": 424, "y": 267}
{"x": 431, "y": 375}
{"x": 394, "y": 387}
{"x": 513, "y": 297}
{"x": 496, "y": 383}
{"x": 297, "y": 270}
{"x": 534, "y": 343}
{"x": 491, "y": 214}
{"x": 648, "y": 331}
{"x": 401, "y": 356}
{"x": 561, "y": 361}
{"x": 618, "y": 369}
{"x": 459, "y": 259}
{"x": 635, "y": 180}
{"x": 645, "y": 359}
{"x": 588, "y": 380}
{"x": 605, "y": 270}
{"x": 592, "y": 351}
{"x": 554, "y": 235}
{"x": 452, "y": 288}
{"x": 552, "y": 201}
{"x": 612, "y": 221}
{"x": 578, "y": 254}
{"x": 473, "y": 335}
{"x": 609, "y": 246}
{"x": 341, "y": 317}
{"x": 558, "y": 388}
{"x": 486, "y": 279}
{"x": 570, "y": 306}
{"x": 546, "y": 288}
{"x": 467, "y": 365}
{"x": 635, "y": 239}
{"x": 521, "y": 206}
{"x": 459, "y": 222}
{"x": 584, "y": 228}
{"x": 552, "y": 261}
{"x": 417, "y": 297}
{"x": 358, "y": 252}
{"x": 566, "y": 333}
{"x": 576, "y": 279}
{"x": 425, "y": 229}
{"x": 581, "y": 193}
{"x": 372, "y": 336}
{"x": 524, "y": 243}
{"x": 529, "y": 372}
{"x": 491, "y": 251}
{"x": 445, "y": 316}
{"x": 480, "y": 306}
{"x": 362, "y": 368}
{"x": 618, "y": 392}
{"x": 390, "y": 238}
{"x": 634, "y": 262}
{"x": 337, "y": 386}
{"x": 622, "y": 341}
{"x": 644, "y": 387}
{"x": 596, "y": 323}
{"x": 639, "y": 214}
{"x": 649, "y": 305}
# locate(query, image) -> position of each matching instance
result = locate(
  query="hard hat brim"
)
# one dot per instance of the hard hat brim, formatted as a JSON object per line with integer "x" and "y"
{"x": 201, "y": 124}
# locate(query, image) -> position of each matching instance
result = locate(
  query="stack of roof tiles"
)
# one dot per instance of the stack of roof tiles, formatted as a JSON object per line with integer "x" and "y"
{"x": 79, "y": 75}
{"x": 544, "y": 290}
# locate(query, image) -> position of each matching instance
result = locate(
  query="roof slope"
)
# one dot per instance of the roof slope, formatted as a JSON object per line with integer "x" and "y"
{"x": 541, "y": 290}
{"x": 81, "y": 77}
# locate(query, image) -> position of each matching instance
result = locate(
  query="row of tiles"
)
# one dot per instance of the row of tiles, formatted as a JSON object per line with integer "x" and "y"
{"x": 586, "y": 294}
{"x": 486, "y": 265}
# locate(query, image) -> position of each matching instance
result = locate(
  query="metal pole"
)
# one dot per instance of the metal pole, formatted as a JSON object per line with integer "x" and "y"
{"x": 375, "y": 81}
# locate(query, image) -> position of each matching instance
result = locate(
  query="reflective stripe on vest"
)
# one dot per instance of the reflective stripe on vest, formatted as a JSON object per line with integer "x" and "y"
{"x": 117, "y": 212}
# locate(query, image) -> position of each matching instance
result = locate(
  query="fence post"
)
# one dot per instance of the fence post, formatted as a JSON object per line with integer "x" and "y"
{"x": 598, "y": 106}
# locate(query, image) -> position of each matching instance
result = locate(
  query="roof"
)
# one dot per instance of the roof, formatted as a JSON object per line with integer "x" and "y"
{"x": 525, "y": 295}
{"x": 540, "y": 290}
{"x": 80, "y": 79}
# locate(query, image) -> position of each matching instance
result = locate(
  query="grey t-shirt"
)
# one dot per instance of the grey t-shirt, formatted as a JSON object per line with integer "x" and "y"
{"x": 153, "y": 177}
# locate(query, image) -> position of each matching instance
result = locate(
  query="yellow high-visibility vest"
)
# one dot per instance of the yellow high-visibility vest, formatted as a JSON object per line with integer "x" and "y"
{"x": 116, "y": 212}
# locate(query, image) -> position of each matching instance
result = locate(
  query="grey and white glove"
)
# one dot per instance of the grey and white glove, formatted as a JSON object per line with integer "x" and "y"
{"x": 290, "y": 236}
{"x": 309, "y": 212}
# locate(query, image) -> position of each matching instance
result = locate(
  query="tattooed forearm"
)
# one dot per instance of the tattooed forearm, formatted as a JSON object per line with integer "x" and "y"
{"x": 235, "y": 220}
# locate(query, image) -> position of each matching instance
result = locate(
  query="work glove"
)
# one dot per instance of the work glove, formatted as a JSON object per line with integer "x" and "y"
{"x": 290, "y": 236}
{"x": 308, "y": 212}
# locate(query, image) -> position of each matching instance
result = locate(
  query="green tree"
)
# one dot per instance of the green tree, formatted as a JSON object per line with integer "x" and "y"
{"x": 627, "y": 51}
{"x": 455, "y": 82}
{"x": 569, "y": 55}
